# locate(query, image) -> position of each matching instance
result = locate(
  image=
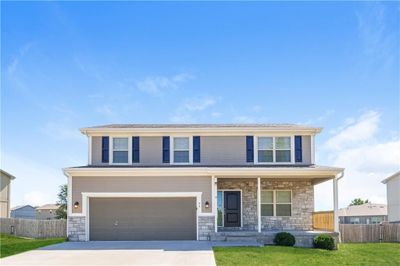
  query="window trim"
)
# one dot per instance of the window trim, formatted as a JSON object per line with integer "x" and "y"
{"x": 274, "y": 203}
{"x": 292, "y": 155}
{"x": 172, "y": 149}
{"x": 111, "y": 150}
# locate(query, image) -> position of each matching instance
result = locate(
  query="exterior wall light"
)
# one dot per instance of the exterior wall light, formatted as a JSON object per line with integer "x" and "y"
{"x": 207, "y": 204}
{"x": 76, "y": 205}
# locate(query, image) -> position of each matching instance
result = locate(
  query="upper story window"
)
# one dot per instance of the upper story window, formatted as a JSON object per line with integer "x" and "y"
{"x": 181, "y": 150}
{"x": 120, "y": 150}
{"x": 274, "y": 149}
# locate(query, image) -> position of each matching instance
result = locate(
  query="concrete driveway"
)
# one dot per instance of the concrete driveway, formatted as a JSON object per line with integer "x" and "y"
{"x": 118, "y": 253}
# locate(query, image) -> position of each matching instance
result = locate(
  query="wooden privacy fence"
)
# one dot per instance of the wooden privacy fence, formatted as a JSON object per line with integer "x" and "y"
{"x": 33, "y": 228}
{"x": 370, "y": 232}
{"x": 323, "y": 220}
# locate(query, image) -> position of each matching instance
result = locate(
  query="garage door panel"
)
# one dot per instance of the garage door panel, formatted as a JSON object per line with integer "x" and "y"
{"x": 142, "y": 218}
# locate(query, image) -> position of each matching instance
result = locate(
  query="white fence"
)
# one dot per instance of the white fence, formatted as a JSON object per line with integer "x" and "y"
{"x": 33, "y": 228}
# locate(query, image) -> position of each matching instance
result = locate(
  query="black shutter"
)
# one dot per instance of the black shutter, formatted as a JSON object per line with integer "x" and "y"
{"x": 298, "y": 149}
{"x": 165, "y": 150}
{"x": 105, "y": 146}
{"x": 196, "y": 149}
{"x": 135, "y": 150}
{"x": 250, "y": 149}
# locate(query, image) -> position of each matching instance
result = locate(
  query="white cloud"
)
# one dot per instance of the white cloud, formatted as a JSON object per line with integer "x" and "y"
{"x": 158, "y": 85}
{"x": 37, "y": 198}
{"x": 190, "y": 109}
{"x": 12, "y": 67}
{"x": 367, "y": 161}
{"x": 60, "y": 131}
{"x": 249, "y": 119}
{"x": 378, "y": 40}
{"x": 36, "y": 182}
{"x": 319, "y": 119}
{"x": 198, "y": 103}
{"x": 354, "y": 133}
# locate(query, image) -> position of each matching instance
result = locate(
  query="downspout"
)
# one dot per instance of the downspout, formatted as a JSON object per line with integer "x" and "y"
{"x": 335, "y": 203}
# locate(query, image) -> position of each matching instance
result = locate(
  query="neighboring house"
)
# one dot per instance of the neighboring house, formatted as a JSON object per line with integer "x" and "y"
{"x": 46, "y": 212}
{"x": 367, "y": 213}
{"x": 24, "y": 212}
{"x": 393, "y": 197}
{"x": 188, "y": 182}
{"x": 5, "y": 183}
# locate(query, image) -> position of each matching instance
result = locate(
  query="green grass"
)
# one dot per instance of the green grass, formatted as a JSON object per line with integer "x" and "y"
{"x": 10, "y": 245}
{"x": 347, "y": 254}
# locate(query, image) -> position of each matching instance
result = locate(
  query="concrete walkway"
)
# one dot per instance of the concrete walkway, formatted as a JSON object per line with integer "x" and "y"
{"x": 118, "y": 253}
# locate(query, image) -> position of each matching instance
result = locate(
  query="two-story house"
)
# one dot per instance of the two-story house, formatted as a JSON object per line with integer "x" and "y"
{"x": 194, "y": 181}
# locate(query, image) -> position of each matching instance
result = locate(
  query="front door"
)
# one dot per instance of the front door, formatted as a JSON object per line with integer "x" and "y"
{"x": 232, "y": 209}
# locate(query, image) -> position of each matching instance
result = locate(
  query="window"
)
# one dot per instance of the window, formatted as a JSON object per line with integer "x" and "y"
{"x": 274, "y": 149}
{"x": 220, "y": 207}
{"x": 276, "y": 203}
{"x": 283, "y": 203}
{"x": 376, "y": 220}
{"x": 282, "y": 149}
{"x": 354, "y": 220}
{"x": 267, "y": 203}
{"x": 120, "y": 150}
{"x": 181, "y": 150}
{"x": 265, "y": 150}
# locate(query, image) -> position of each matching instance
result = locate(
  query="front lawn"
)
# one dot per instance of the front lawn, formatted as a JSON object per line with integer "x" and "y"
{"x": 10, "y": 245}
{"x": 348, "y": 254}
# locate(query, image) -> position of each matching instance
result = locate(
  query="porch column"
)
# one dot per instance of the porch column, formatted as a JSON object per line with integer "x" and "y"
{"x": 335, "y": 206}
{"x": 259, "y": 204}
{"x": 214, "y": 188}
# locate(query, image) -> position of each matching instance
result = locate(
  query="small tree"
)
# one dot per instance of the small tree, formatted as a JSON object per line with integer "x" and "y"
{"x": 358, "y": 201}
{"x": 61, "y": 212}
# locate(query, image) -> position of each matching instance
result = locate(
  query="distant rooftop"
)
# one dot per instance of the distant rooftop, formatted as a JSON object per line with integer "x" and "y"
{"x": 48, "y": 207}
{"x": 21, "y": 206}
{"x": 367, "y": 209}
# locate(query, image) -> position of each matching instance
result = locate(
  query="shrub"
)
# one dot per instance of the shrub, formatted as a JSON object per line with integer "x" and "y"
{"x": 284, "y": 239}
{"x": 324, "y": 241}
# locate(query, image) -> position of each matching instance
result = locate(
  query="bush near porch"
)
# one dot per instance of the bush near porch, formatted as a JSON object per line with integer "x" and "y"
{"x": 347, "y": 254}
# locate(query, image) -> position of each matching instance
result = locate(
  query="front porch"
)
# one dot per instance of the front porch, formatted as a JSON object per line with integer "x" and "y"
{"x": 254, "y": 209}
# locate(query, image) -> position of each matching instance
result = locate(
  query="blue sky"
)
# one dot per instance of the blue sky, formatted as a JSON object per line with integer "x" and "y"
{"x": 68, "y": 65}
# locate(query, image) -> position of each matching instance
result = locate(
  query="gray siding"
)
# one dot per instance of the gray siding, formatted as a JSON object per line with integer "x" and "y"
{"x": 96, "y": 150}
{"x": 223, "y": 150}
{"x": 214, "y": 150}
{"x": 142, "y": 184}
{"x": 150, "y": 150}
{"x": 306, "y": 147}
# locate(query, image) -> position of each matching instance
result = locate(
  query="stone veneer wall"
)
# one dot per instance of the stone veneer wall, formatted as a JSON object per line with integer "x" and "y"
{"x": 76, "y": 228}
{"x": 302, "y": 203}
{"x": 249, "y": 199}
{"x": 302, "y": 206}
{"x": 206, "y": 227}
